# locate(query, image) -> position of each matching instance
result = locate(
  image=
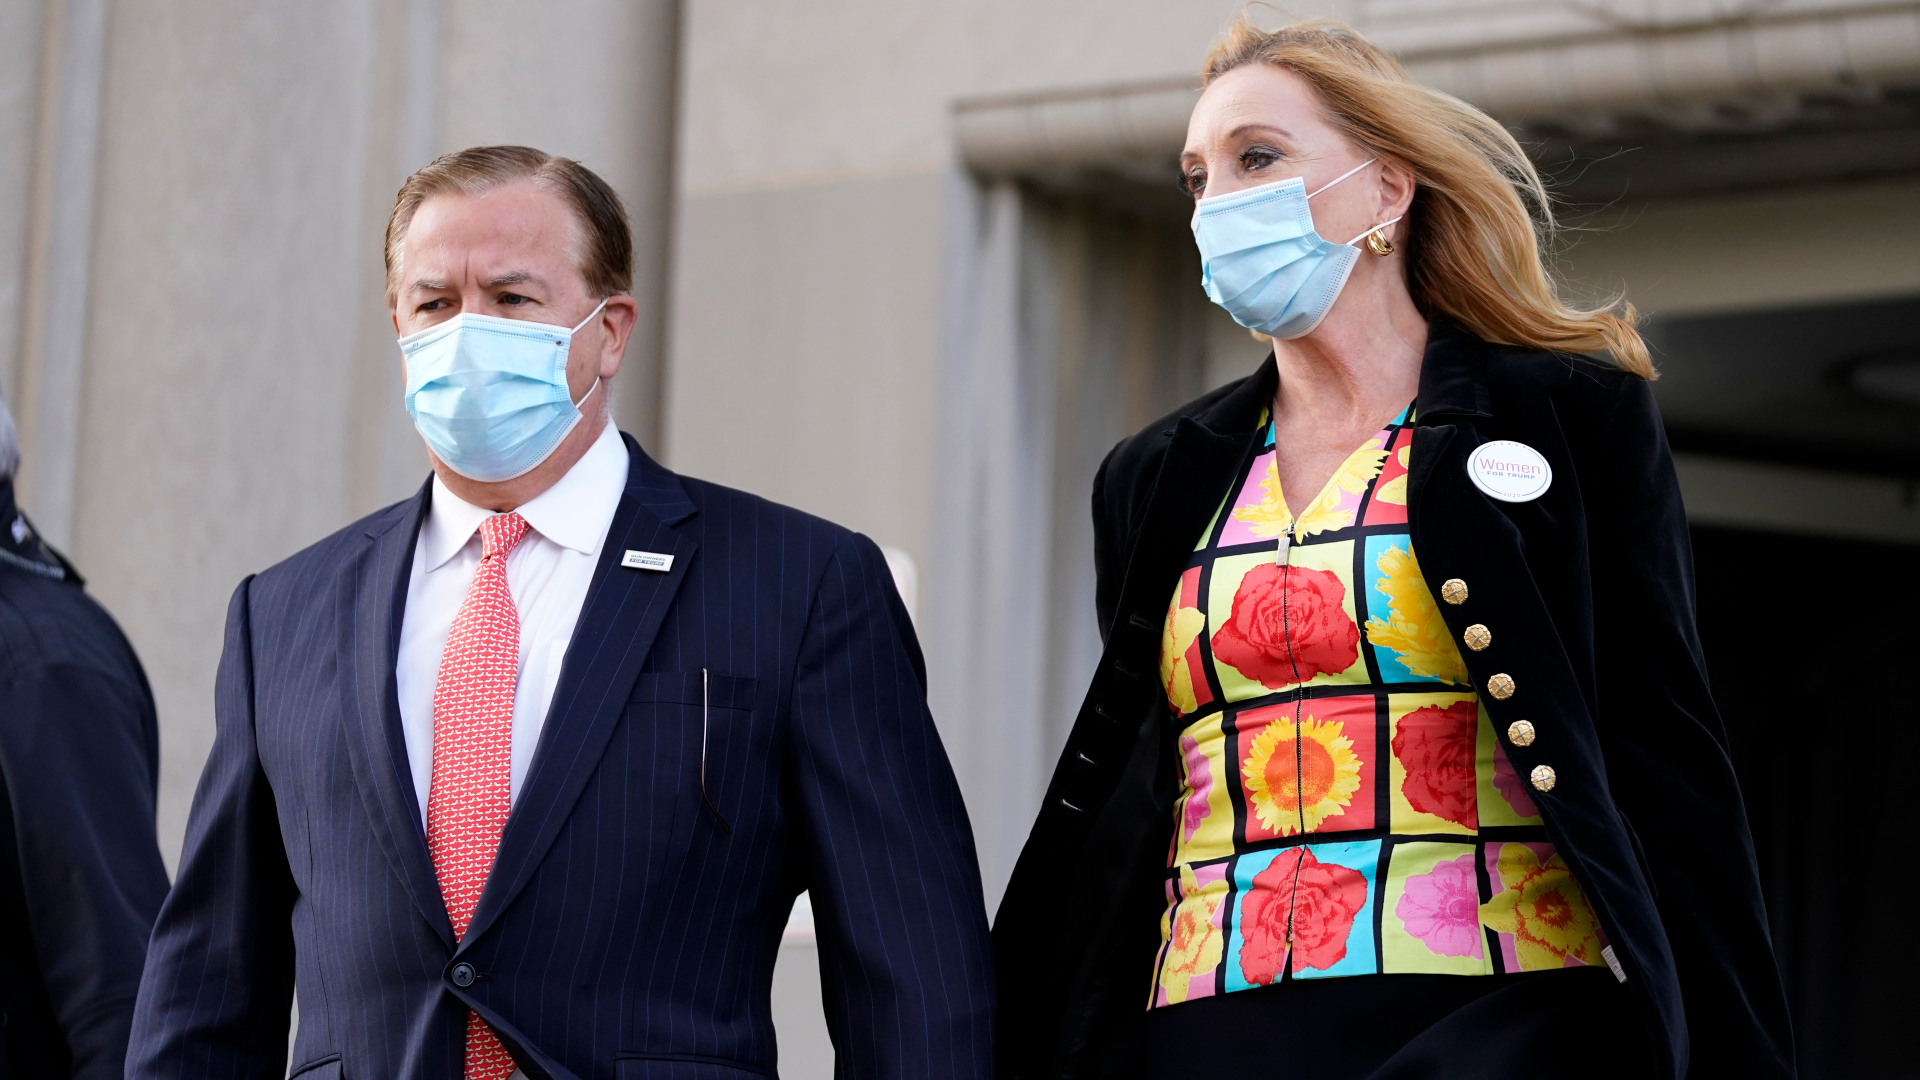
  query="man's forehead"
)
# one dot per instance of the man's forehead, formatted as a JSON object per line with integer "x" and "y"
{"x": 430, "y": 278}
{"x": 509, "y": 235}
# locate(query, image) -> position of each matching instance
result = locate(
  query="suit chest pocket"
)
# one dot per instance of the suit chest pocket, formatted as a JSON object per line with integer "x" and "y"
{"x": 695, "y": 688}
{"x": 692, "y": 725}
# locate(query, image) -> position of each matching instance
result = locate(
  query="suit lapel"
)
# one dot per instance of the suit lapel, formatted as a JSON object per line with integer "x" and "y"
{"x": 622, "y": 614}
{"x": 376, "y": 597}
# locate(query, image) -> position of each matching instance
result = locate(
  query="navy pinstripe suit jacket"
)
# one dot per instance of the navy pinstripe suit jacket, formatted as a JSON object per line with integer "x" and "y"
{"x": 622, "y": 933}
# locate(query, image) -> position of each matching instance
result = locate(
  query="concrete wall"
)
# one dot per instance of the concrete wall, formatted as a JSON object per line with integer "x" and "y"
{"x": 816, "y": 140}
{"x": 196, "y": 340}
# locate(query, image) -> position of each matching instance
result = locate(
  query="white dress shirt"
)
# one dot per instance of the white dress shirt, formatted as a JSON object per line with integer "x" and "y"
{"x": 548, "y": 574}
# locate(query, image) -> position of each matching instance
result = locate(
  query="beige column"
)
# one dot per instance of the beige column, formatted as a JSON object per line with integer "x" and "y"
{"x": 197, "y": 339}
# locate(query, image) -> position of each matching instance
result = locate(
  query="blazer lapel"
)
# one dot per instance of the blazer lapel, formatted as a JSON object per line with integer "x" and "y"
{"x": 615, "y": 632}
{"x": 376, "y": 596}
{"x": 1453, "y": 398}
{"x": 1201, "y": 463}
{"x": 1203, "y": 460}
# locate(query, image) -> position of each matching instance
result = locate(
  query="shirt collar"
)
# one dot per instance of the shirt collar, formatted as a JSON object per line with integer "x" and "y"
{"x": 574, "y": 513}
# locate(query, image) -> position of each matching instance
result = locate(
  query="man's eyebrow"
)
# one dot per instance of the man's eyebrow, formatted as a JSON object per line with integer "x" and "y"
{"x": 428, "y": 286}
{"x": 515, "y": 278}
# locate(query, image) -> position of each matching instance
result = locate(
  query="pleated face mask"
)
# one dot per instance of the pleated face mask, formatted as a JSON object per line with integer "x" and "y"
{"x": 1262, "y": 261}
{"x": 490, "y": 395}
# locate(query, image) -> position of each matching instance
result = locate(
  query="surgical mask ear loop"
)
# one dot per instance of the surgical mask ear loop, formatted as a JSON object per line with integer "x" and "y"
{"x": 597, "y": 380}
{"x": 1343, "y": 176}
{"x": 590, "y": 316}
{"x": 1377, "y": 241}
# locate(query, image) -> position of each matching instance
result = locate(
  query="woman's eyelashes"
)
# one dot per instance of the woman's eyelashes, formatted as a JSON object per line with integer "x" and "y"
{"x": 1255, "y": 158}
{"x": 1252, "y": 160}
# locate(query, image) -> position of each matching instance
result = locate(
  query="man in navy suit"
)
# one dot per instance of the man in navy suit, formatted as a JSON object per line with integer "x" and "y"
{"x": 521, "y": 776}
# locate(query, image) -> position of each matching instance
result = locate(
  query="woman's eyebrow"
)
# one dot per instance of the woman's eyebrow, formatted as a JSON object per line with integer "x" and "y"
{"x": 1256, "y": 126}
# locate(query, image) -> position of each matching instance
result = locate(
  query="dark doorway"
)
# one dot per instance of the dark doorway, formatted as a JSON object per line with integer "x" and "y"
{"x": 1813, "y": 645}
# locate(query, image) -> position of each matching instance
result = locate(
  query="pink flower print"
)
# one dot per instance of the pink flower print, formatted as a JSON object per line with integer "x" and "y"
{"x": 1199, "y": 787}
{"x": 1442, "y": 908}
{"x": 1511, "y": 788}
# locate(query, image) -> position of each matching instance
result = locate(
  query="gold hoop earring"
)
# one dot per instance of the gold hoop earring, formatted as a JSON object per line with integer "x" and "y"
{"x": 1378, "y": 243}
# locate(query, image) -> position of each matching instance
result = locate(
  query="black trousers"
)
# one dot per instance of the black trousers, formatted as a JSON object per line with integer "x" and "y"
{"x": 1571, "y": 1024}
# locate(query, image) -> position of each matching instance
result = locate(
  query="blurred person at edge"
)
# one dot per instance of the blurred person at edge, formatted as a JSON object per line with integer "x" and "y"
{"x": 80, "y": 871}
{"x": 1430, "y": 783}
{"x": 521, "y": 776}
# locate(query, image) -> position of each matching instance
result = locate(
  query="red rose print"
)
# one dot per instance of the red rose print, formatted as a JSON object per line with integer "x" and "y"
{"x": 1324, "y": 904}
{"x": 1435, "y": 745}
{"x": 1276, "y": 605}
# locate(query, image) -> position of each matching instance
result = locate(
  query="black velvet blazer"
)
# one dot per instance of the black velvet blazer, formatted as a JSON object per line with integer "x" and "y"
{"x": 1588, "y": 591}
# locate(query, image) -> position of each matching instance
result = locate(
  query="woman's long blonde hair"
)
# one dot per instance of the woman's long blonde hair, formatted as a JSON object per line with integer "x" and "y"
{"x": 1480, "y": 213}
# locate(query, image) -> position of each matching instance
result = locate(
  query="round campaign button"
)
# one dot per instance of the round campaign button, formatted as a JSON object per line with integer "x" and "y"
{"x": 1509, "y": 471}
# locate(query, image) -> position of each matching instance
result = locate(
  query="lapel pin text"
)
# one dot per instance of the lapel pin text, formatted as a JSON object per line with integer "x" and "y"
{"x": 647, "y": 560}
{"x": 1509, "y": 471}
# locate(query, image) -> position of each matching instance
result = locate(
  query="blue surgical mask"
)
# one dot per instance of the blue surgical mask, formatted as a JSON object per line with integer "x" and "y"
{"x": 490, "y": 395}
{"x": 1261, "y": 260}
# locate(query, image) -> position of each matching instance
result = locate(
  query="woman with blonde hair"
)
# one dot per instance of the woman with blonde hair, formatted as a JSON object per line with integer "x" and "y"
{"x": 1400, "y": 760}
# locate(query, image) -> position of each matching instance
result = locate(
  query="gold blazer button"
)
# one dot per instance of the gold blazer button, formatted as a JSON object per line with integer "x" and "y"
{"x": 1454, "y": 591}
{"x": 1543, "y": 778}
{"x": 1500, "y": 686}
{"x": 1520, "y": 733}
{"x": 1477, "y": 637}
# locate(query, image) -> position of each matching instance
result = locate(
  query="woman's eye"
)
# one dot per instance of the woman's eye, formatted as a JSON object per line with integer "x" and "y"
{"x": 1193, "y": 183}
{"x": 1258, "y": 157}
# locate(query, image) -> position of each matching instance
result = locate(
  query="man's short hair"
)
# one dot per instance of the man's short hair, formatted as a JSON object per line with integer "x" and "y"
{"x": 9, "y": 444}
{"x": 606, "y": 255}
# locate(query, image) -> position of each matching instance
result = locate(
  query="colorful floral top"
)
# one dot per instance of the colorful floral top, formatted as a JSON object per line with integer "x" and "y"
{"x": 1322, "y": 697}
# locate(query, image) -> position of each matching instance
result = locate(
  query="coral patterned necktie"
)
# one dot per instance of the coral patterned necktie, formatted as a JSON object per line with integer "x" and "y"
{"x": 472, "y": 739}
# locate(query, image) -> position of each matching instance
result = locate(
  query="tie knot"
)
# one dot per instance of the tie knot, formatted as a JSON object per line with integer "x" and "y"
{"x": 500, "y": 533}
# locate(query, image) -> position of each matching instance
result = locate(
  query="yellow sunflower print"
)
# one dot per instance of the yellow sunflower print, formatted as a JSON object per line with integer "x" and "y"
{"x": 1328, "y": 777}
{"x": 1413, "y": 628}
{"x": 1544, "y": 909}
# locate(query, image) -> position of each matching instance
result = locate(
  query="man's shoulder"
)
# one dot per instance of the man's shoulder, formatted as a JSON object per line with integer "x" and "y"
{"x": 734, "y": 512}
{"x": 336, "y": 550}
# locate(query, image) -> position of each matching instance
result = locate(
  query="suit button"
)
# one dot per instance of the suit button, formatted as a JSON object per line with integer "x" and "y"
{"x": 463, "y": 975}
{"x": 1454, "y": 591}
{"x": 1520, "y": 733}
{"x": 1501, "y": 686}
{"x": 1543, "y": 778}
{"x": 1477, "y": 637}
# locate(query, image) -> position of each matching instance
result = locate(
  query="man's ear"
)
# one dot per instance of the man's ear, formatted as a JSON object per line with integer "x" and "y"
{"x": 616, "y": 320}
